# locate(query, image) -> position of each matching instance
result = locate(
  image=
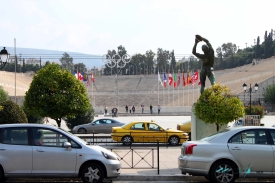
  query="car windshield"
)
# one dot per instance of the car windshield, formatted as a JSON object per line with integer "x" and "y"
{"x": 215, "y": 135}
{"x": 73, "y": 135}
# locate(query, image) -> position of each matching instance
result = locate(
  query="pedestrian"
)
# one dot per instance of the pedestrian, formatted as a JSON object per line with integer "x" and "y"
{"x": 159, "y": 109}
{"x": 142, "y": 108}
{"x": 105, "y": 110}
{"x": 46, "y": 120}
{"x": 151, "y": 109}
{"x": 133, "y": 109}
{"x": 126, "y": 107}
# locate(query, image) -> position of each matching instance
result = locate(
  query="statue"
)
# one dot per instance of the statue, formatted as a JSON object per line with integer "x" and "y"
{"x": 207, "y": 61}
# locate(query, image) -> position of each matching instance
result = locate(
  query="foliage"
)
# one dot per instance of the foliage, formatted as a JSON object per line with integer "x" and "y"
{"x": 66, "y": 61}
{"x": 269, "y": 94}
{"x": 216, "y": 105}
{"x": 3, "y": 96}
{"x": 12, "y": 113}
{"x": 88, "y": 117}
{"x": 80, "y": 67}
{"x": 33, "y": 119}
{"x": 56, "y": 93}
{"x": 255, "y": 110}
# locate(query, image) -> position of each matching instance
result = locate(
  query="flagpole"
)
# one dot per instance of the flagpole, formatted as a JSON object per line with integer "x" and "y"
{"x": 158, "y": 86}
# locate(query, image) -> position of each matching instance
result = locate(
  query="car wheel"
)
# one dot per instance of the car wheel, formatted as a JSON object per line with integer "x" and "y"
{"x": 92, "y": 173}
{"x": 127, "y": 140}
{"x": 223, "y": 171}
{"x": 174, "y": 140}
{"x": 189, "y": 134}
{"x": 82, "y": 130}
{"x": 2, "y": 177}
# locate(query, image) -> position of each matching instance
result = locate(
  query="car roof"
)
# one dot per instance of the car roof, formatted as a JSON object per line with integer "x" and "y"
{"x": 249, "y": 127}
{"x": 27, "y": 125}
{"x": 152, "y": 121}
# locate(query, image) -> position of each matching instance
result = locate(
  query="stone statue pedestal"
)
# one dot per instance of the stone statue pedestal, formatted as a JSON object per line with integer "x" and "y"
{"x": 199, "y": 129}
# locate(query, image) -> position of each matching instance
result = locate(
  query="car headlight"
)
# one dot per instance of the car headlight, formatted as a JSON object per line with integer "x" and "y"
{"x": 108, "y": 155}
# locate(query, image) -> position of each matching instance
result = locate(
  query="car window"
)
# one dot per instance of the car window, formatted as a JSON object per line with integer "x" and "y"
{"x": 249, "y": 137}
{"x": 107, "y": 121}
{"x": 272, "y": 132}
{"x": 97, "y": 122}
{"x": 15, "y": 136}
{"x": 47, "y": 137}
{"x": 153, "y": 127}
{"x": 215, "y": 135}
{"x": 138, "y": 126}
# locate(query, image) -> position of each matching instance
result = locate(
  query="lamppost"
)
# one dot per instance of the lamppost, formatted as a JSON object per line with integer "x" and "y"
{"x": 256, "y": 86}
{"x": 4, "y": 57}
{"x": 118, "y": 62}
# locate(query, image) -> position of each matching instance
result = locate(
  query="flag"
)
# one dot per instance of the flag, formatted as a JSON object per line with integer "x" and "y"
{"x": 84, "y": 77}
{"x": 183, "y": 80}
{"x": 80, "y": 76}
{"x": 178, "y": 80}
{"x": 164, "y": 80}
{"x": 195, "y": 77}
{"x": 93, "y": 78}
{"x": 160, "y": 79}
{"x": 188, "y": 79}
{"x": 199, "y": 83}
{"x": 76, "y": 75}
{"x": 170, "y": 78}
{"x": 175, "y": 80}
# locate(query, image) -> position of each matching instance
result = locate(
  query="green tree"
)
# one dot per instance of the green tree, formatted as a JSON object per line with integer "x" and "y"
{"x": 216, "y": 105}
{"x": 269, "y": 94}
{"x": 56, "y": 93}
{"x": 88, "y": 117}
{"x": 66, "y": 61}
{"x": 3, "y": 96}
{"x": 80, "y": 67}
{"x": 12, "y": 113}
{"x": 149, "y": 61}
{"x": 33, "y": 119}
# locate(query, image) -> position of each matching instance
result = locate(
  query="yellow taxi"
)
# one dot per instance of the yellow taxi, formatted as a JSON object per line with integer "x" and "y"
{"x": 184, "y": 126}
{"x": 147, "y": 131}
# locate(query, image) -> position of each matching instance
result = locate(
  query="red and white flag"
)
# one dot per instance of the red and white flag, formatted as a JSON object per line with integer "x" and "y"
{"x": 195, "y": 77}
{"x": 170, "y": 78}
{"x": 80, "y": 76}
{"x": 93, "y": 78}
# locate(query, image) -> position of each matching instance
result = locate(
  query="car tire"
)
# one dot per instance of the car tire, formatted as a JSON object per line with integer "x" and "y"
{"x": 2, "y": 177}
{"x": 82, "y": 130}
{"x": 189, "y": 134}
{"x": 223, "y": 171}
{"x": 127, "y": 140}
{"x": 174, "y": 140}
{"x": 92, "y": 173}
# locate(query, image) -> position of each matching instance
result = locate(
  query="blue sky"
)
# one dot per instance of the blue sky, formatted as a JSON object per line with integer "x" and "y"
{"x": 95, "y": 26}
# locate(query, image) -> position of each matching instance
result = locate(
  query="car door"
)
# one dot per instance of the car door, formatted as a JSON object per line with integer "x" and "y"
{"x": 156, "y": 133}
{"x": 50, "y": 157}
{"x": 272, "y": 133}
{"x": 97, "y": 126}
{"x": 138, "y": 132}
{"x": 15, "y": 151}
{"x": 107, "y": 126}
{"x": 253, "y": 152}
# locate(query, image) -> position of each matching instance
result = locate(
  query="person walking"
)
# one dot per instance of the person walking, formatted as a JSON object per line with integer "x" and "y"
{"x": 151, "y": 109}
{"x": 105, "y": 110}
{"x": 159, "y": 109}
{"x": 133, "y": 109}
{"x": 126, "y": 107}
{"x": 142, "y": 108}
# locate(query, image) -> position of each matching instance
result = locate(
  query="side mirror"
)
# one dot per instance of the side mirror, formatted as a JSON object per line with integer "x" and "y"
{"x": 67, "y": 145}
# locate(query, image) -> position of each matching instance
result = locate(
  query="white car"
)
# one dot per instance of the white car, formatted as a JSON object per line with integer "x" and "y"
{"x": 35, "y": 150}
{"x": 234, "y": 152}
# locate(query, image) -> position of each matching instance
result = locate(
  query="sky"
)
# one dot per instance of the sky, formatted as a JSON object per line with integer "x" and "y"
{"x": 96, "y": 26}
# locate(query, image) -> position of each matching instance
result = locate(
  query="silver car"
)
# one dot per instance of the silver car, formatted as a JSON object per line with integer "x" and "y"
{"x": 98, "y": 126}
{"x": 229, "y": 154}
{"x": 35, "y": 150}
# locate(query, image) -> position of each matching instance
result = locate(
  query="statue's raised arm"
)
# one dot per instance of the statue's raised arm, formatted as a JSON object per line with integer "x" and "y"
{"x": 207, "y": 60}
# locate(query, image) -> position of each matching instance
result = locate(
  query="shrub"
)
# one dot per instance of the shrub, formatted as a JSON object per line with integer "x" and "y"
{"x": 255, "y": 110}
{"x": 88, "y": 117}
{"x": 12, "y": 113}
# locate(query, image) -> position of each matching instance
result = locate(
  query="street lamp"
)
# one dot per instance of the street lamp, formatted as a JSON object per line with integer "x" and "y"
{"x": 256, "y": 86}
{"x": 4, "y": 57}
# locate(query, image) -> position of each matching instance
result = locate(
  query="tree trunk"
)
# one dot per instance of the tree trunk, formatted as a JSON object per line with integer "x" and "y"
{"x": 217, "y": 126}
